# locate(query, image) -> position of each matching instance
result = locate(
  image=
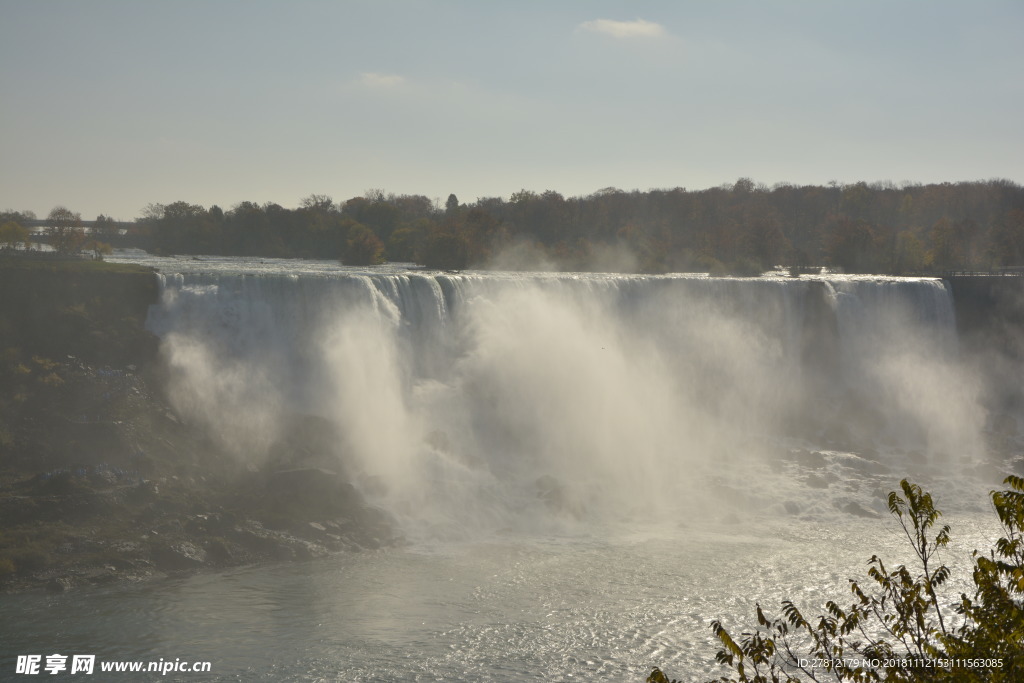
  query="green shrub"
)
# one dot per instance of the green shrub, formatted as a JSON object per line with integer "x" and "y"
{"x": 897, "y": 629}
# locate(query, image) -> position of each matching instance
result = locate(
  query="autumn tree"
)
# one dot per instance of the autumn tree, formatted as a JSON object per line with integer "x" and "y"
{"x": 363, "y": 247}
{"x": 955, "y": 244}
{"x": 405, "y": 243}
{"x": 482, "y": 233}
{"x": 99, "y": 249}
{"x": 65, "y": 230}
{"x": 12, "y": 234}
{"x": 1007, "y": 246}
{"x": 444, "y": 249}
{"x": 377, "y": 212}
{"x": 908, "y": 254}
{"x": 850, "y": 244}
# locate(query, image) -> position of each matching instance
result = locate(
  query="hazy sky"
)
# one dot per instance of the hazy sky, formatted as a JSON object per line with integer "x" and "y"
{"x": 108, "y": 105}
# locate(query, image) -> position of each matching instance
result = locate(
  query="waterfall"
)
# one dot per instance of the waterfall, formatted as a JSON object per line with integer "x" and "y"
{"x": 497, "y": 400}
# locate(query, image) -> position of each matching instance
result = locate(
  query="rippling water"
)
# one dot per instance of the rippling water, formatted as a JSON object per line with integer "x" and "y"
{"x": 579, "y": 608}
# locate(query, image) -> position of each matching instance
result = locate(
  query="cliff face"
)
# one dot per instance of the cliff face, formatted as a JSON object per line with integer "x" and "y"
{"x": 101, "y": 482}
{"x": 91, "y": 310}
{"x": 990, "y": 322}
{"x": 990, "y": 311}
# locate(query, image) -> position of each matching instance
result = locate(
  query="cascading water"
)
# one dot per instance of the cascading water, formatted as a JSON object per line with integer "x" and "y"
{"x": 899, "y": 355}
{"x": 470, "y": 403}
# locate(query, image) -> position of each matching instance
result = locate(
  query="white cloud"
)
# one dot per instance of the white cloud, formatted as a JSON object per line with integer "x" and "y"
{"x": 376, "y": 80}
{"x": 624, "y": 29}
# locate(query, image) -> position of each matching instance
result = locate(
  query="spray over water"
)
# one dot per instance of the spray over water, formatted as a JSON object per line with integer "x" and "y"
{"x": 466, "y": 404}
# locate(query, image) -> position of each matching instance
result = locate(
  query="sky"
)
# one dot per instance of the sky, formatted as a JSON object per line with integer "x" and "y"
{"x": 107, "y": 106}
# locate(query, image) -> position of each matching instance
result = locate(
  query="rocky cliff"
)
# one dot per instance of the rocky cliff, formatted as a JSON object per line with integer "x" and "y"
{"x": 100, "y": 481}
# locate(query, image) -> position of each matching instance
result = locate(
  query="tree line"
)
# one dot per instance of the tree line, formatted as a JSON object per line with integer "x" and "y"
{"x": 742, "y": 227}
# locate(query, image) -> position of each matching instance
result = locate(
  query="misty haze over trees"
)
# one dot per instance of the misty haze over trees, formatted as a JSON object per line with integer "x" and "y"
{"x": 742, "y": 228}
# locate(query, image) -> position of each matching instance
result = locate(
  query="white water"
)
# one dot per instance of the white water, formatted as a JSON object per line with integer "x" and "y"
{"x": 589, "y": 468}
{"x": 468, "y": 404}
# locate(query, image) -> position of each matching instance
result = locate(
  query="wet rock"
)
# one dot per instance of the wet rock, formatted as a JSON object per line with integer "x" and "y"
{"x": 858, "y": 464}
{"x": 19, "y": 509}
{"x": 305, "y": 550}
{"x": 121, "y": 564}
{"x": 100, "y": 575}
{"x": 810, "y": 459}
{"x": 178, "y": 557}
{"x": 59, "y": 584}
{"x": 263, "y": 542}
{"x": 103, "y": 478}
{"x": 311, "y": 531}
{"x": 310, "y": 494}
{"x": 78, "y": 544}
{"x": 172, "y": 526}
{"x": 334, "y": 543}
{"x": 816, "y": 482}
{"x": 125, "y": 547}
{"x": 145, "y": 491}
{"x": 220, "y": 552}
{"x": 856, "y": 509}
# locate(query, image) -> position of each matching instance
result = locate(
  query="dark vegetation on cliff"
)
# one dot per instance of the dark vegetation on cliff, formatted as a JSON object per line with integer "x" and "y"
{"x": 101, "y": 481}
{"x": 90, "y": 309}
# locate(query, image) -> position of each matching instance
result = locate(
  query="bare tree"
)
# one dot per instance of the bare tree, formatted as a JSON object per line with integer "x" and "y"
{"x": 318, "y": 202}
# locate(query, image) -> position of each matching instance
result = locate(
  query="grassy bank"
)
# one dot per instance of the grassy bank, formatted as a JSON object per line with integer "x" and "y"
{"x": 91, "y": 310}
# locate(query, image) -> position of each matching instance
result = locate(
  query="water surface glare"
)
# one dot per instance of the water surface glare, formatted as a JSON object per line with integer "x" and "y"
{"x": 514, "y": 609}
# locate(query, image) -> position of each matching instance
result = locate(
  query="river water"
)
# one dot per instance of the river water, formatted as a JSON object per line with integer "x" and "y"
{"x": 545, "y": 609}
{"x": 586, "y": 471}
